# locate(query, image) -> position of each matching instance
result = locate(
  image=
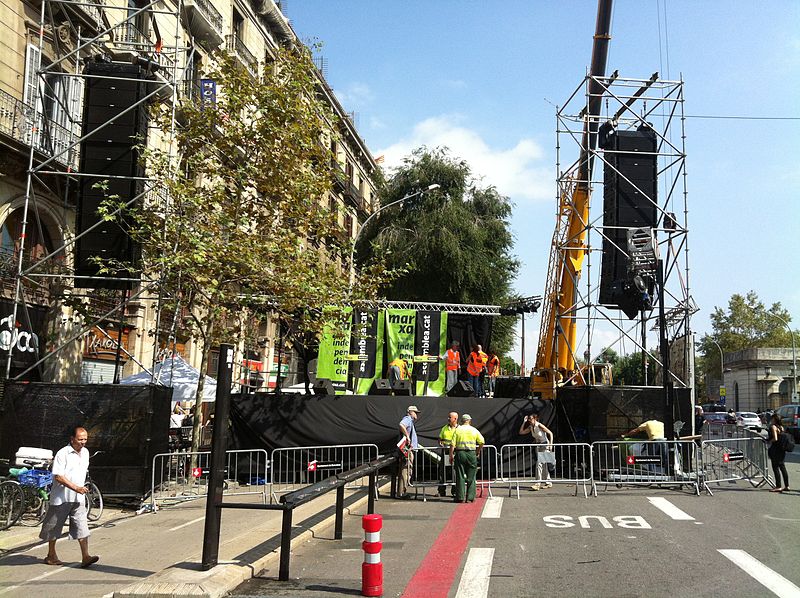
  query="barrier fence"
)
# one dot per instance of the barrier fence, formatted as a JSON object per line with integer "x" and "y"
{"x": 645, "y": 463}
{"x": 293, "y": 468}
{"x": 432, "y": 468}
{"x": 734, "y": 459}
{"x": 182, "y": 476}
{"x": 564, "y": 463}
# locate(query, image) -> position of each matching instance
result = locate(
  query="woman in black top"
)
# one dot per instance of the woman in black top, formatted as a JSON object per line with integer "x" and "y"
{"x": 777, "y": 455}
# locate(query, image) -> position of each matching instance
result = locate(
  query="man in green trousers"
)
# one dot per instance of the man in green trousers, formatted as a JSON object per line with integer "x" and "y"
{"x": 464, "y": 452}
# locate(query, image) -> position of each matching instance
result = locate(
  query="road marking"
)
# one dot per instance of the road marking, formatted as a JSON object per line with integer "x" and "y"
{"x": 494, "y": 504}
{"x": 172, "y": 529}
{"x": 667, "y": 507}
{"x": 37, "y": 578}
{"x": 780, "y": 518}
{"x": 774, "y": 582}
{"x": 437, "y": 572}
{"x": 477, "y": 570}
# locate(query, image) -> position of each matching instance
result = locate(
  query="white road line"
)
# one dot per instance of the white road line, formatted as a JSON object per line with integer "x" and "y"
{"x": 492, "y": 508}
{"x": 172, "y": 529}
{"x": 475, "y": 578}
{"x": 37, "y": 578}
{"x": 774, "y": 582}
{"x": 667, "y": 507}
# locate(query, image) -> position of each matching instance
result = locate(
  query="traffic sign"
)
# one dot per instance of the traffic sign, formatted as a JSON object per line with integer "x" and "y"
{"x": 723, "y": 392}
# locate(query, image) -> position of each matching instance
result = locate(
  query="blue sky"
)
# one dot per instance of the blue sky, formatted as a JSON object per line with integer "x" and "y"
{"x": 482, "y": 78}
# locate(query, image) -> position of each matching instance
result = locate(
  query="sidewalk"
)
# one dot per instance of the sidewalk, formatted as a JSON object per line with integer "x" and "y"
{"x": 160, "y": 553}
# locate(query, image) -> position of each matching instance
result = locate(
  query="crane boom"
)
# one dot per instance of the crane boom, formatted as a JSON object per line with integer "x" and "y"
{"x": 558, "y": 334}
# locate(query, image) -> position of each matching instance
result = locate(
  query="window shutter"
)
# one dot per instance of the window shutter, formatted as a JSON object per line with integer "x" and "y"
{"x": 32, "y": 97}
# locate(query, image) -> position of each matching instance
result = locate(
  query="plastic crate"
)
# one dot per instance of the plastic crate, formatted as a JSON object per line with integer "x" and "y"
{"x": 36, "y": 478}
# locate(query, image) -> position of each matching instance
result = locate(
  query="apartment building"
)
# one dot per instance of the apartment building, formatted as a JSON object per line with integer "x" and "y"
{"x": 54, "y": 55}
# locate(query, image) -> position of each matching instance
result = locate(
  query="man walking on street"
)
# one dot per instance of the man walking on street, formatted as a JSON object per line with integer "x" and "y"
{"x": 67, "y": 499}
{"x": 446, "y": 441}
{"x": 408, "y": 438}
{"x": 464, "y": 452}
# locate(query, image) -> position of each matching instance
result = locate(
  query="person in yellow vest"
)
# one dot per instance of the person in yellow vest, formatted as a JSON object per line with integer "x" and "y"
{"x": 452, "y": 360}
{"x": 492, "y": 371}
{"x": 464, "y": 452}
{"x": 445, "y": 441}
{"x": 398, "y": 370}
{"x": 475, "y": 367}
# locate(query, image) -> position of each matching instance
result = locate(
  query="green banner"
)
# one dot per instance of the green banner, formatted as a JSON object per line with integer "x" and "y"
{"x": 333, "y": 351}
{"x": 430, "y": 339}
{"x": 366, "y": 342}
{"x": 400, "y": 334}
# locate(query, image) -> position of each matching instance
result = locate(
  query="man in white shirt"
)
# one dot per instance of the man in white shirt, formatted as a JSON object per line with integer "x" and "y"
{"x": 70, "y": 466}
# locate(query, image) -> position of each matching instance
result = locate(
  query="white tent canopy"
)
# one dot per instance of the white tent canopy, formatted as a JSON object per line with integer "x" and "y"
{"x": 183, "y": 378}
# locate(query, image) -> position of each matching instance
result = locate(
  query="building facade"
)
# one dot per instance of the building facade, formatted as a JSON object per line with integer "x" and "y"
{"x": 758, "y": 379}
{"x": 46, "y": 128}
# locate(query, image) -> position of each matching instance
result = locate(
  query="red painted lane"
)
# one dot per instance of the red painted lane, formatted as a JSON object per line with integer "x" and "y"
{"x": 435, "y": 575}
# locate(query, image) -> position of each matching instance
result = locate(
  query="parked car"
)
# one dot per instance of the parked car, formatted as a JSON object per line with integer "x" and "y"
{"x": 748, "y": 419}
{"x": 715, "y": 417}
{"x": 790, "y": 419}
{"x": 714, "y": 408}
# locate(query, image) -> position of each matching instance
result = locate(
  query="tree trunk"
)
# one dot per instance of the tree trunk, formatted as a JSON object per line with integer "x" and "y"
{"x": 198, "y": 399}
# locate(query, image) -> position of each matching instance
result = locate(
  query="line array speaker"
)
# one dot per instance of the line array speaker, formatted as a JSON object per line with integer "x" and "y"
{"x": 633, "y": 157}
{"x": 110, "y": 155}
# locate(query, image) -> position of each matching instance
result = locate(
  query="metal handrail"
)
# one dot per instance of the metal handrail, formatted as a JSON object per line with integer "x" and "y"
{"x": 236, "y": 45}
{"x": 25, "y": 124}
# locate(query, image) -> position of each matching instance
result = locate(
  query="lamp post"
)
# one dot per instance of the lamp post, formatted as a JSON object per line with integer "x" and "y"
{"x": 794, "y": 357}
{"x": 375, "y": 213}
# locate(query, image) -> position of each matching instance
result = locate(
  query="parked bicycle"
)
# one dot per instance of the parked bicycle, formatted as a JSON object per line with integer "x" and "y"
{"x": 93, "y": 496}
{"x": 35, "y": 483}
{"x": 12, "y": 499}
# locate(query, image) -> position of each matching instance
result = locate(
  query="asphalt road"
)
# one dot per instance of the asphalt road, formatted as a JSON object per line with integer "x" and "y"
{"x": 624, "y": 542}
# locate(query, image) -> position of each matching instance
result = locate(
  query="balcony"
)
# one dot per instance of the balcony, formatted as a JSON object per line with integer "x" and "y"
{"x": 89, "y": 12}
{"x": 236, "y": 46}
{"x": 204, "y": 21}
{"x": 353, "y": 195}
{"x": 25, "y": 125}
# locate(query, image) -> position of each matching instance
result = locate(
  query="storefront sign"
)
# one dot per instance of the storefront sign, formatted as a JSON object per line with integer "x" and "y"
{"x": 97, "y": 345}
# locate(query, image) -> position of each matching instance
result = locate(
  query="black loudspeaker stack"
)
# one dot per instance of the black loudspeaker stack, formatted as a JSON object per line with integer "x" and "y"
{"x": 402, "y": 388}
{"x": 323, "y": 387}
{"x": 380, "y": 387}
{"x": 461, "y": 389}
{"x": 632, "y": 157}
{"x": 110, "y": 156}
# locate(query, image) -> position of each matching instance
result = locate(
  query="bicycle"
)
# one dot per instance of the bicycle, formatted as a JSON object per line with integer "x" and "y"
{"x": 35, "y": 486}
{"x": 93, "y": 496}
{"x": 12, "y": 501}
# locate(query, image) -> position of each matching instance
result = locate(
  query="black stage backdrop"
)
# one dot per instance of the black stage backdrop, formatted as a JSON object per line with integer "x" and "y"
{"x": 469, "y": 330}
{"x": 129, "y": 423}
{"x": 270, "y": 421}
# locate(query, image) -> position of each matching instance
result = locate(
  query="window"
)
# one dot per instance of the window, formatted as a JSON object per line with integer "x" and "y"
{"x": 38, "y": 242}
{"x": 53, "y": 103}
{"x": 238, "y": 25}
{"x": 348, "y": 225}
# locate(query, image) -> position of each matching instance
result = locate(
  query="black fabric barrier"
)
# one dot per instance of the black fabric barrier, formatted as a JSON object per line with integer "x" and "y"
{"x": 129, "y": 423}
{"x": 278, "y": 421}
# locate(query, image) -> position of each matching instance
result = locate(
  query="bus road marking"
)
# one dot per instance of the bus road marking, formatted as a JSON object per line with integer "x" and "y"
{"x": 774, "y": 582}
{"x": 671, "y": 510}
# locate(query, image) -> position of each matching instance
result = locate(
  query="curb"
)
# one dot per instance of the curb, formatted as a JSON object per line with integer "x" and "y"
{"x": 187, "y": 580}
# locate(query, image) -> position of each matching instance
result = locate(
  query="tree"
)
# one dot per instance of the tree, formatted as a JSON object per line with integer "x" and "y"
{"x": 453, "y": 245}
{"x": 746, "y": 323}
{"x": 629, "y": 369}
{"x": 243, "y": 233}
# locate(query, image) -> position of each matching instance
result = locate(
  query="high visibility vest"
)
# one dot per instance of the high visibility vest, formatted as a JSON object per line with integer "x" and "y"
{"x": 475, "y": 364}
{"x": 493, "y": 366}
{"x": 401, "y": 364}
{"x": 467, "y": 438}
{"x": 446, "y": 435}
{"x": 453, "y": 360}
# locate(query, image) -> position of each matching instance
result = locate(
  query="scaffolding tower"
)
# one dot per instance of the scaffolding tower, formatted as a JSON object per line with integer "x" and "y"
{"x": 628, "y": 104}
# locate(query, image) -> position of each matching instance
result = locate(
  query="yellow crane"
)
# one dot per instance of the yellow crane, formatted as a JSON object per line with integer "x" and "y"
{"x": 555, "y": 356}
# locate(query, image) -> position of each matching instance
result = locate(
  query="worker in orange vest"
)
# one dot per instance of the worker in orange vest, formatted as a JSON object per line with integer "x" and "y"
{"x": 492, "y": 371}
{"x": 452, "y": 359}
{"x": 475, "y": 366}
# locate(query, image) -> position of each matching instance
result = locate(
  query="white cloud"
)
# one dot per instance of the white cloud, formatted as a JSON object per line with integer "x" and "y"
{"x": 356, "y": 95}
{"x": 520, "y": 172}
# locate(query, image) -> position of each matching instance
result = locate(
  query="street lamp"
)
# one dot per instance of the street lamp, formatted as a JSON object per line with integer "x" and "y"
{"x": 375, "y": 213}
{"x": 721, "y": 362}
{"x": 794, "y": 357}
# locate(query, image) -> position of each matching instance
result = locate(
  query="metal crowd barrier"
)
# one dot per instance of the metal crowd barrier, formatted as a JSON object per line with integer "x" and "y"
{"x": 183, "y": 476}
{"x": 712, "y": 431}
{"x": 734, "y": 459}
{"x": 295, "y": 467}
{"x": 572, "y": 464}
{"x": 432, "y": 468}
{"x": 645, "y": 463}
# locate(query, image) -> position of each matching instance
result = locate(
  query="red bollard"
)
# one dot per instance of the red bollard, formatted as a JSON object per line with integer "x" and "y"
{"x": 372, "y": 568}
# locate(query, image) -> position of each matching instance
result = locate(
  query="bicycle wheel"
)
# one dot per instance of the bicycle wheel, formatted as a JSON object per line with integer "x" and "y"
{"x": 94, "y": 501}
{"x": 12, "y": 501}
{"x": 35, "y": 506}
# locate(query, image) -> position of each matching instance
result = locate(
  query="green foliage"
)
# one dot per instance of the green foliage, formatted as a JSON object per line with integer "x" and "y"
{"x": 746, "y": 323}
{"x": 629, "y": 369}
{"x": 509, "y": 366}
{"x": 454, "y": 242}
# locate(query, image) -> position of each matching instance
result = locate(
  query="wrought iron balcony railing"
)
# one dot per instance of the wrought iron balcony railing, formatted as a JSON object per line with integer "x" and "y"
{"x": 249, "y": 61}
{"x": 29, "y": 126}
{"x": 210, "y": 13}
